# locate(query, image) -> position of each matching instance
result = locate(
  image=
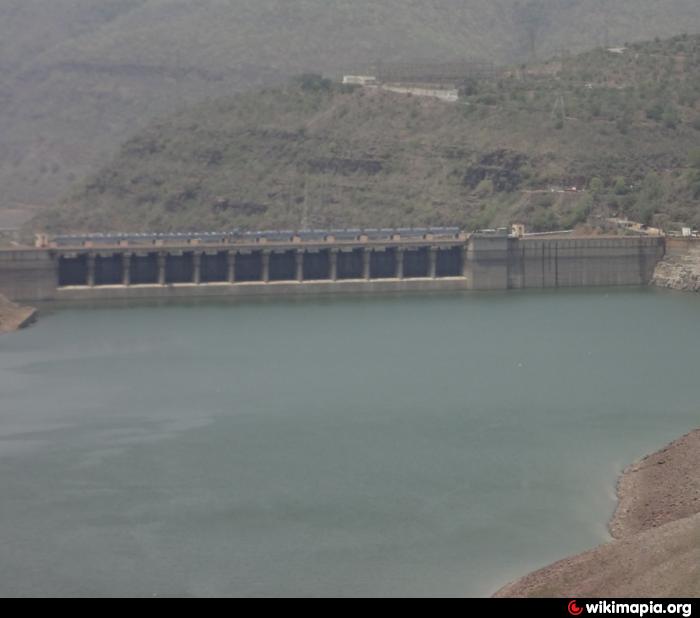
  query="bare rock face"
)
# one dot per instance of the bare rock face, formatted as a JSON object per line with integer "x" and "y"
{"x": 679, "y": 272}
{"x": 13, "y": 316}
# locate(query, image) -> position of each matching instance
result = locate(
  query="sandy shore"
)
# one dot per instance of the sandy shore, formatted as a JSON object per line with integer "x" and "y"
{"x": 657, "y": 530}
{"x": 13, "y": 317}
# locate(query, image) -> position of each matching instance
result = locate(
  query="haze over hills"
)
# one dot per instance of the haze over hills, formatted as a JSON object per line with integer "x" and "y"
{"x": 78, "y": 76}
{"x": 623, "y": 128}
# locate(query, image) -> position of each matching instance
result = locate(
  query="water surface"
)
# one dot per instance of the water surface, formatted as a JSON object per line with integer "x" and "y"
{"x": 408, "y": 445}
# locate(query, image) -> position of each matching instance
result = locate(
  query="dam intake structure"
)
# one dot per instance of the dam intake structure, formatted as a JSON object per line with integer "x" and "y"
{"x": 122, "y": 266}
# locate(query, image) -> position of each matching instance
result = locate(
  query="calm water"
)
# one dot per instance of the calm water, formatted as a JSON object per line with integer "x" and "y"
{"x": 380, "y": 446}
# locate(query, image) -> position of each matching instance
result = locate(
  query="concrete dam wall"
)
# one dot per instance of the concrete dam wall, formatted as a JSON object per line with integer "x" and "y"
{"x": 89, "y": 270}
{"x": 525, "y": 263}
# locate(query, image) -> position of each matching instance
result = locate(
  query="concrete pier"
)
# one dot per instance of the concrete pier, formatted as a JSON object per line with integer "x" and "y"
{"x": 285, "y": 263}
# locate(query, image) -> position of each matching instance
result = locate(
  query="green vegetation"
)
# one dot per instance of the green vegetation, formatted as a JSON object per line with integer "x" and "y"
{"x": 318, "y": 154}
{"x": 77, "y": 76}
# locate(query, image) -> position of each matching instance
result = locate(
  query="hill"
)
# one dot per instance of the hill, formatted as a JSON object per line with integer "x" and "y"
{"x": 622, "y": 128}
{"x": 76, "y": 76}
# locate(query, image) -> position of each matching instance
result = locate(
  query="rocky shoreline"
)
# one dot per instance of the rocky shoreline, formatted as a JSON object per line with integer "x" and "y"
{"x": 659, "y": 489}
{"x": 678, "y": 272}
{"x": 656, "y": 551}
{"x": 14, "y": 317}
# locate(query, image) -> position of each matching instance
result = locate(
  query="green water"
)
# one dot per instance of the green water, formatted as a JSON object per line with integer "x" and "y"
{"x": 413, "y": 445}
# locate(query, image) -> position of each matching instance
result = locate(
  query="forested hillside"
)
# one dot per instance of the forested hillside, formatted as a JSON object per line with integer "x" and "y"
{"x": 622, "y": 128}
{"x": 78, "y": 76}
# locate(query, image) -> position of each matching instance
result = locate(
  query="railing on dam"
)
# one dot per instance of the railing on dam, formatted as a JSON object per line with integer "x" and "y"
{"x": 246, "y": 237}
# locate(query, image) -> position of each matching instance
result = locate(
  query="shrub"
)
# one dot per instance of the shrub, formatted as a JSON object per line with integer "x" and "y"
{"x": 544, "y": 220}
{"x": 312, "y": 82}
{"x": 694, "y": 159}
{"x": 469, "y": 87}
{"x": 655, "y": 112}
{"x": 485, "y": 188}
{"x": 580, "y": 212}
{"x": 670, "y": 117}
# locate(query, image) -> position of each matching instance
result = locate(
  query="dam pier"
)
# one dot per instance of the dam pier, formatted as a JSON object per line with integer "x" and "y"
{"x": 123, "y": 266}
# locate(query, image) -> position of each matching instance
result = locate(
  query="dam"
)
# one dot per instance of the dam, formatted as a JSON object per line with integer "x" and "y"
{"x": 124, "y": 266}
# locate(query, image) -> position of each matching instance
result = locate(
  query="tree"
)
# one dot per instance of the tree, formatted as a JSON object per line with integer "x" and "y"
{"x": 694, "y": 159}
{"x": 544, "y": 220}
{"x": 694, "y": 175}
{"x": 650, "y": 198}
{"x": 621, "y": 187}
{"x": 595, "y": 185}
{"x": 580, "y": 212}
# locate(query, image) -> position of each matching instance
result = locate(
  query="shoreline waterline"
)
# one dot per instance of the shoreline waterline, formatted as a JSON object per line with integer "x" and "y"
{"x": 655, "y": 551}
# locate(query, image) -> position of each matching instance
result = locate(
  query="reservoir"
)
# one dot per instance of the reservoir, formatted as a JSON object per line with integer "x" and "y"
{"x": 433, "y": 445}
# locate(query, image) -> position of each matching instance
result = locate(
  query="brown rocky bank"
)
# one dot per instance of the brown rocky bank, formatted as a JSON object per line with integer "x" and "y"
{"x": 679, "y": 272}
{"x": 657, "y": 530}
{"x": 13, "y": 316}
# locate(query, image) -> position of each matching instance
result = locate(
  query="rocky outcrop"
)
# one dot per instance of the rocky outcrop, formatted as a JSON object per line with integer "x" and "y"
{"x": 657, "y": 529}
{"x": 13, "y": 316}
{"x": 679, "y": 272}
